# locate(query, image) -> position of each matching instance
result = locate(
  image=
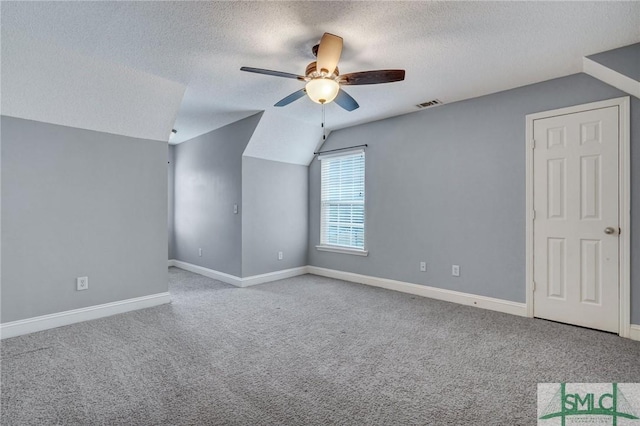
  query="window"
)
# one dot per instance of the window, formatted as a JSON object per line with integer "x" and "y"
{"x": 342, "y": 203}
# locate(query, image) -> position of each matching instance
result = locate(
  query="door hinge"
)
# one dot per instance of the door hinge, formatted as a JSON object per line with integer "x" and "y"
{"x": 533, "y": 215}
{"x": 533, "y": 144}
{"x": 533, "y": 284}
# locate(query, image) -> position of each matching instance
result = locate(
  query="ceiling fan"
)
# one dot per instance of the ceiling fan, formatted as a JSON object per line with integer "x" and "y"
{"x": 323, "y": 79}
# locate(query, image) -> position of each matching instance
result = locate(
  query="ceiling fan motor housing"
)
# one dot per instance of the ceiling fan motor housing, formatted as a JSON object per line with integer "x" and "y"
{"x": 311, "y": 72}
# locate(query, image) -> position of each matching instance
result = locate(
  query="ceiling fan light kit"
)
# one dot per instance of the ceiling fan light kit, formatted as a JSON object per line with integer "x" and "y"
{"x": 323, "y": 79}
{"x": 322, "y": 90}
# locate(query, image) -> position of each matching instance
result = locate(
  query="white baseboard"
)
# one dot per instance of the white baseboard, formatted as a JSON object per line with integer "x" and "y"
{"x": 490, "y": 303}
{"x": 45, "y": 322}
{"x": 634, "y": 332}
{"x": 171, "y": 262}
{"x": 611, "y": 77}
{"x": 237, "y": 281}
{"x": 273, "y": 276}
{"x": 216, "y": 275}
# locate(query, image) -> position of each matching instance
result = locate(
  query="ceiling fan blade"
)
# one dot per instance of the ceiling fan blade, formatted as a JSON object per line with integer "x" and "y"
{"x": 372, "y": 77}
{"x": 292, "y": 97}
{"x": 273, "y": 73}
{"x": 346, "y": 101}
{"x": 329, "y": 52}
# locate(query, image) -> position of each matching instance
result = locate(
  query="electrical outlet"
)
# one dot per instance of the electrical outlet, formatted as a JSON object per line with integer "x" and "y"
{"x": 200, "y": 252}
{"x": 235, "y": 209}
{"x": 82, "y": 283}
{"x": 423, "y": 266}
{"x": 455, "y": 270}
{"x": 280, "y": 255}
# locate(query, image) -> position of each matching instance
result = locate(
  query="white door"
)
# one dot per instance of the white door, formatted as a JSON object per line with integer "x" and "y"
{"x": 575, "y": 228}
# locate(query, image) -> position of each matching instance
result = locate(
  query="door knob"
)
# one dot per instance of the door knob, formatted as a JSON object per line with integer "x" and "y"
{"x": 609, "y": 230}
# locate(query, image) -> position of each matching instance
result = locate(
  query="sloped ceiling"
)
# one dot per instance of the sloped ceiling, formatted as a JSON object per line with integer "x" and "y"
{"x": 281, "y": 138}
{"x": 49, "y": 83}
{"x": 450, "y": 50}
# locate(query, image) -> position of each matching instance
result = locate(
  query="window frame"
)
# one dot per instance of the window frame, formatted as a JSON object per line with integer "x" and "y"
{"x": 335, "y": 248}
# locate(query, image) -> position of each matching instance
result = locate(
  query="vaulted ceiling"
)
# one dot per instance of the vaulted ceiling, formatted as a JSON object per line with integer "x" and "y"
{"x": 142, "y": 68}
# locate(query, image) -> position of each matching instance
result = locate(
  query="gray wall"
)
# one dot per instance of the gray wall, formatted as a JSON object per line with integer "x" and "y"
{"x": 625, "y": 60}
{"x": 79, "y": 203}
{"x": 447, "y": 186}
{"x": 171, "y": 192}
{"x": 274, "y": 217}
{"x": 208, "y": 182}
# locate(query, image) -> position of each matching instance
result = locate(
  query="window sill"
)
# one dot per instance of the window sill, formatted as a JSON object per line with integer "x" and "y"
{"x": 343, "y": 250}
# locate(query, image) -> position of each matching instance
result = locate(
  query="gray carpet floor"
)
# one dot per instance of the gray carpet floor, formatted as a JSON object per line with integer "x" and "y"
{"x": 302, "y": 351}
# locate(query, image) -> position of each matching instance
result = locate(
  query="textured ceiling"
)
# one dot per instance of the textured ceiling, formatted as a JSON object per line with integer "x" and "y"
{"x": 44, "y": 82}
{"x": 295, "y": 140}
{"x": 451, "y": 50}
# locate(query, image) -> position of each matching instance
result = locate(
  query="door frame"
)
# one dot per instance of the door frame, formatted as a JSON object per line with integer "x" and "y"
{"x": 624, "y": 202}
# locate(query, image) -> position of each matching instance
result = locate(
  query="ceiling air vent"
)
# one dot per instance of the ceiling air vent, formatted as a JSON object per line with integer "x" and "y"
{"x": 430, "y": 103}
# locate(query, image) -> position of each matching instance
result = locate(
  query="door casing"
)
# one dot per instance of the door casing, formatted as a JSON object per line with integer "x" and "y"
{"x": 624, "y": 201}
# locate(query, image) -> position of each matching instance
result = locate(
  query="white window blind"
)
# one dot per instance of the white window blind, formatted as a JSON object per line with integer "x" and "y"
{"x": 342, "y": 201}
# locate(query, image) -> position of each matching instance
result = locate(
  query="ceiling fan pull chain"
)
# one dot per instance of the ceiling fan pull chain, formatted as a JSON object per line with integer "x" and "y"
{"x": 324, "y": 132}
